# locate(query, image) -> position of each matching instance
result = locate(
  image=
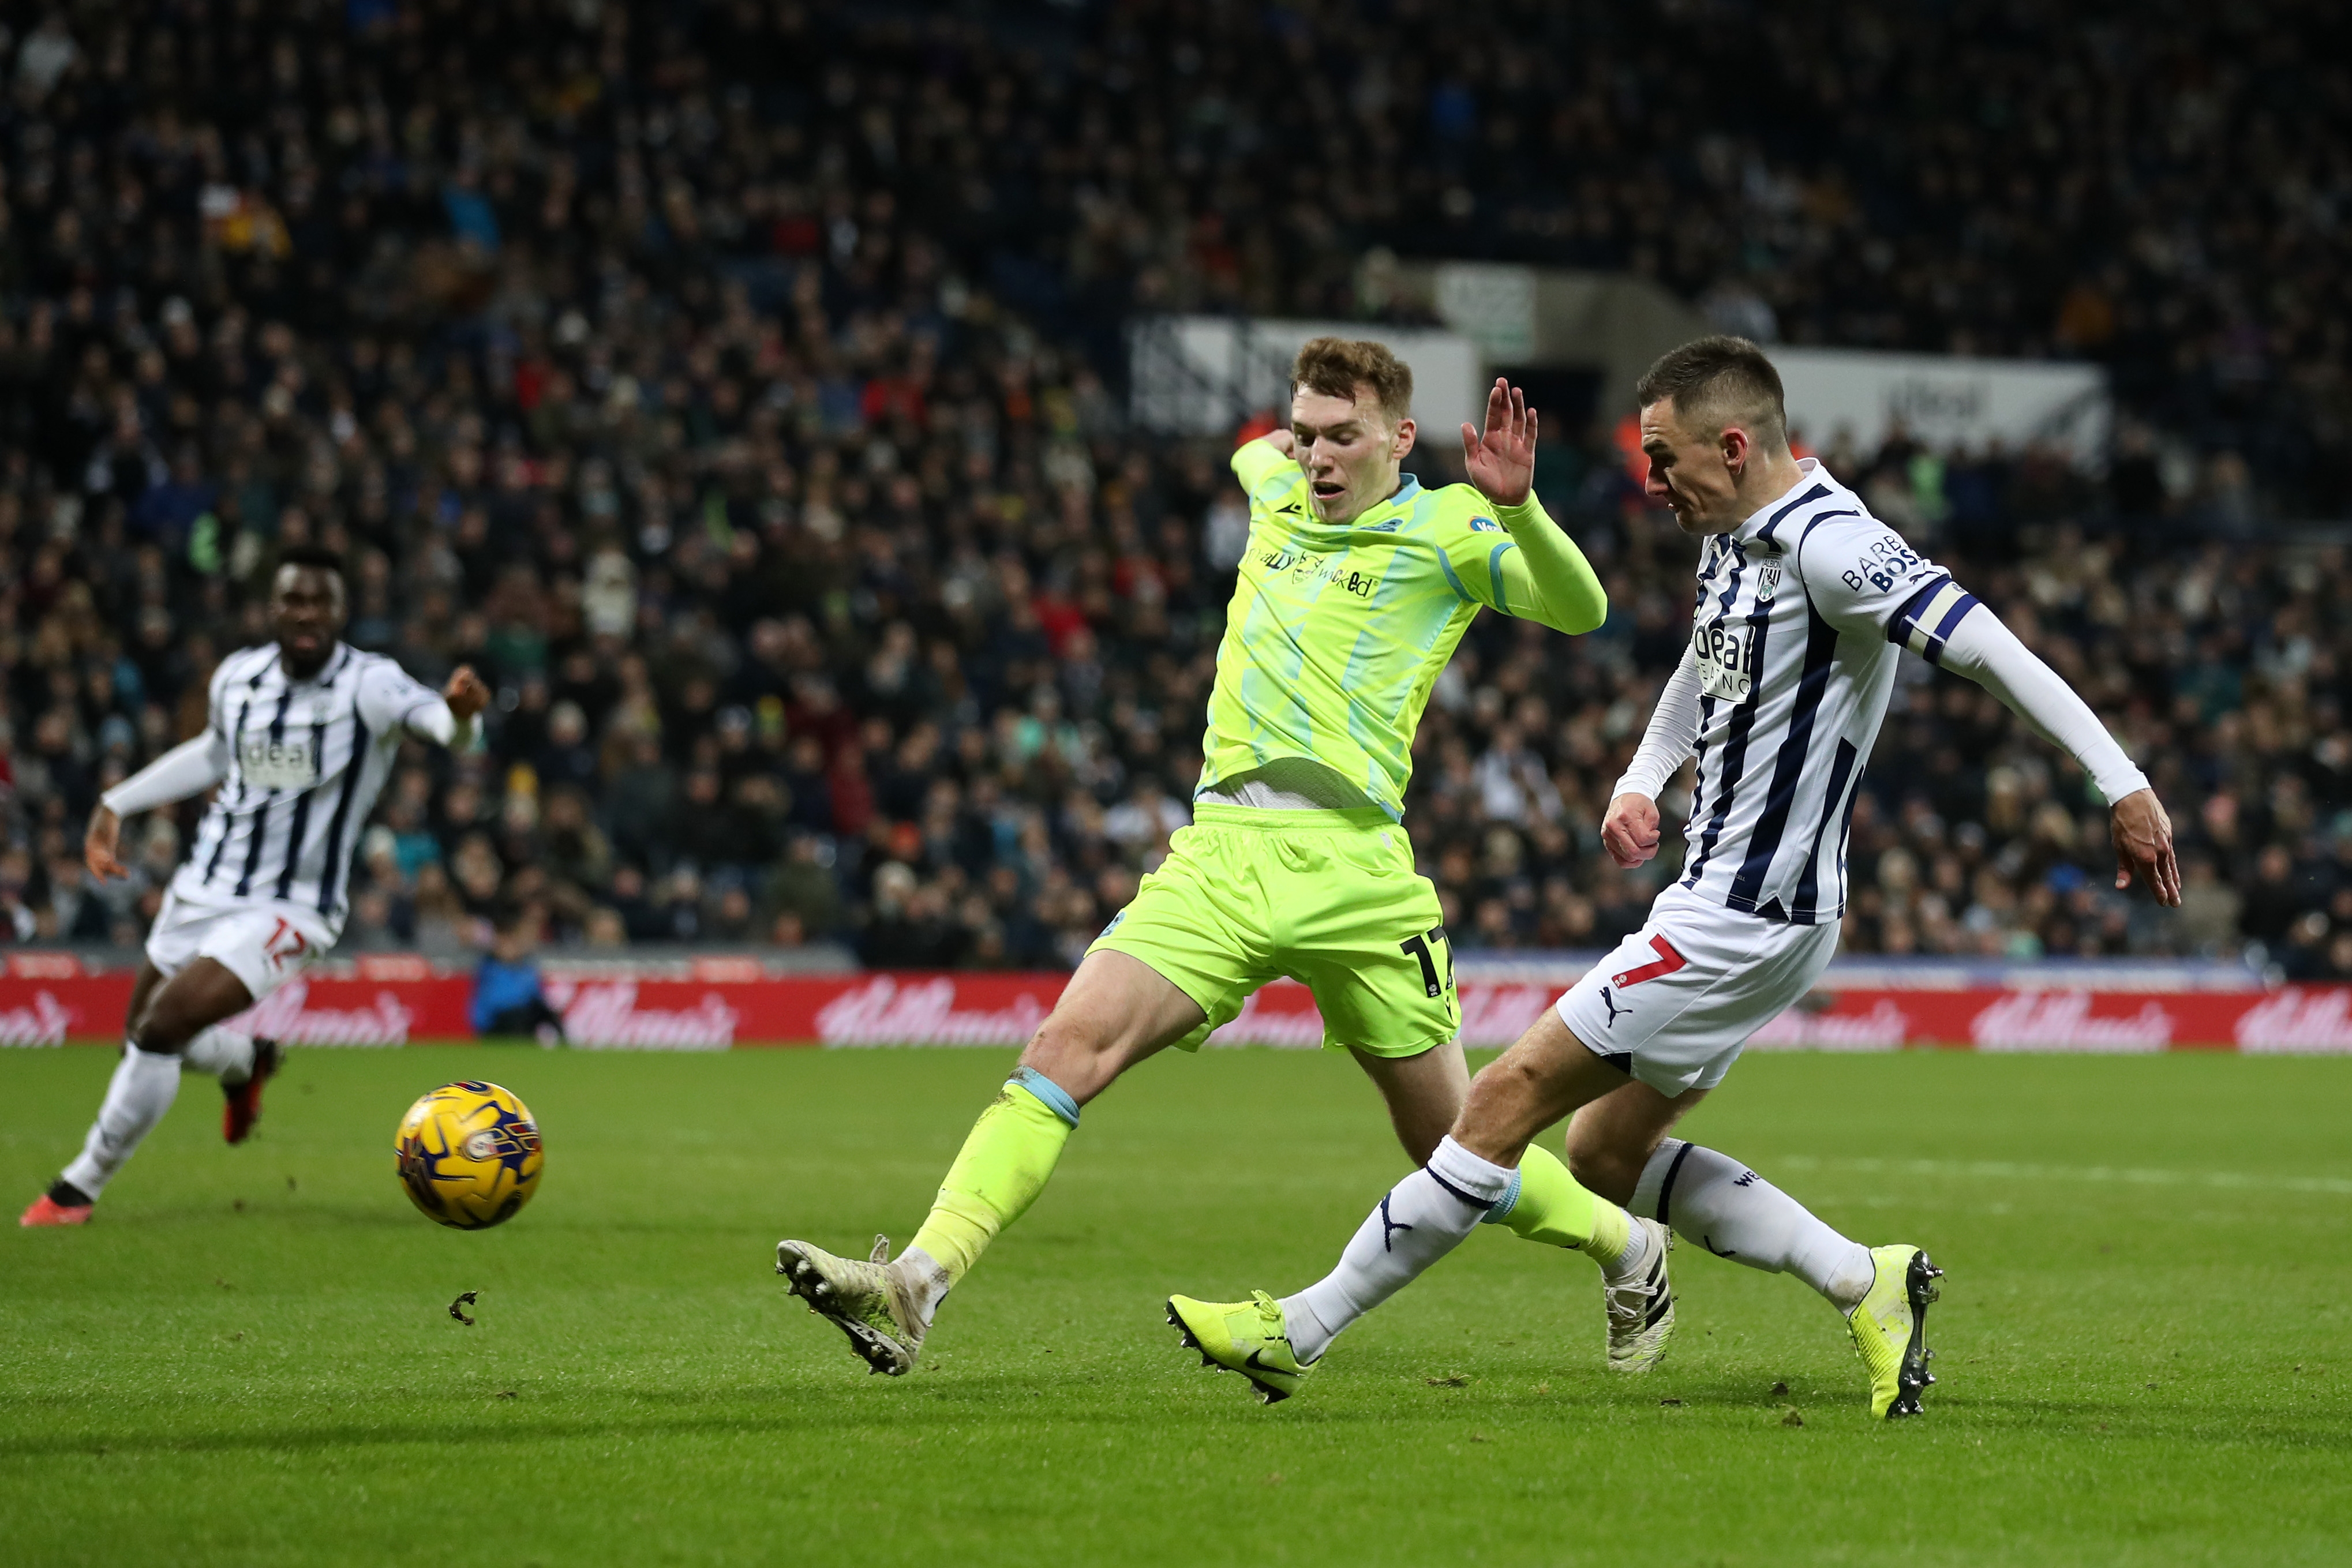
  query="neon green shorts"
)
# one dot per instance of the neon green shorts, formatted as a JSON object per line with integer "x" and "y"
{"x": 1329, "y": 898}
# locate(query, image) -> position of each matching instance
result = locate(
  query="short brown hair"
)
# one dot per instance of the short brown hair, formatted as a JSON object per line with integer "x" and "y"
{"x": 1337, "y": 366}
{"x": 1721, "y": 379}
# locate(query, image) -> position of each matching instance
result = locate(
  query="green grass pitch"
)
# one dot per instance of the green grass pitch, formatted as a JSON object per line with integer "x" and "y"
{"x": 248, "y": 1358}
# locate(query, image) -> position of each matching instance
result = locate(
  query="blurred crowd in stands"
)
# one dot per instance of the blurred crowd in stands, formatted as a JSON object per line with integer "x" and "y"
{"x": 736, "y": 388}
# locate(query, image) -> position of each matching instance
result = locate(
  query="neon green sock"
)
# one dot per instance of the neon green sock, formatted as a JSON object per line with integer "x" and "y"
{"x": 1004, "y": 1164}
{"x": 1553, "y": 1209}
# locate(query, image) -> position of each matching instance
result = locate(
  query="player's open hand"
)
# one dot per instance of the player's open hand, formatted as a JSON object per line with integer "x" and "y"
{"x": 1629, "y": 829}
{"x": 98, "y": 846}
{"x": 2143, "y": 836}
{"x": 1502, "y": 458}
{"x": 466, "y": 693}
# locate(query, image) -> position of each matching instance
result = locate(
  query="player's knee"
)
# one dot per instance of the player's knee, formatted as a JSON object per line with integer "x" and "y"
{"x": 189, "y": 1003}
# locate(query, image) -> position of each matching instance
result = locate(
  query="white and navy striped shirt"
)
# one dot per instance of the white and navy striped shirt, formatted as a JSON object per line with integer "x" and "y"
{"x": 305, "y": 762}
{"x": 1803, "y": 611}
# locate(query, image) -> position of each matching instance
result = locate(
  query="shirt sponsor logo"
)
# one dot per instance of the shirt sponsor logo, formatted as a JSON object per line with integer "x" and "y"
{"x": 1886, "y": 562}
{"x": 1309, "y": 571}
{"x": 268, "y": 764}
{"x": 1727, "y": 659}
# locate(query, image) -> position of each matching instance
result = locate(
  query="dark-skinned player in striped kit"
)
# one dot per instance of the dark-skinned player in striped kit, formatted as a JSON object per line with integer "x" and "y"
{"x": 301, "y": 736}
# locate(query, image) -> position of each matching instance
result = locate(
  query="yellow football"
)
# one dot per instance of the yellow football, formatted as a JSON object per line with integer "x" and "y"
{"x": 469, "y": 1156}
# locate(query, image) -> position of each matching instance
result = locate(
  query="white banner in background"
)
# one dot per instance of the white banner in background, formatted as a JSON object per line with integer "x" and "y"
{"x": 1202, "y": 375}
{"x": 1493, "y": 304}
{"x": 1945, "y": 400}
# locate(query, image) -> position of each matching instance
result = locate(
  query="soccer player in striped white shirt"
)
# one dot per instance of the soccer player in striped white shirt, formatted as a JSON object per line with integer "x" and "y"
{"x": 301, "y": 735}
{"x": 1805, "y": 603}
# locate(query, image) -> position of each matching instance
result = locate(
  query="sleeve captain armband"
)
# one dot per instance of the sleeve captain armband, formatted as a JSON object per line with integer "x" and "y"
{"x": 1929, "y": 618}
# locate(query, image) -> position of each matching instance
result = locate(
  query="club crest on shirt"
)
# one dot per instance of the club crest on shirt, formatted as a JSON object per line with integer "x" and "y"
{"x": 1768, "y": 581}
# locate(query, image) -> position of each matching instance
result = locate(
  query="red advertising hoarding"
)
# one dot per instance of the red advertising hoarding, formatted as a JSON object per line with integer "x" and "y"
{"x": 717, "y": 1003}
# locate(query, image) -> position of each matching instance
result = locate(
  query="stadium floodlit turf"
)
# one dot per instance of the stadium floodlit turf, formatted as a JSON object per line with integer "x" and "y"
{"x": 248, "y": 1358}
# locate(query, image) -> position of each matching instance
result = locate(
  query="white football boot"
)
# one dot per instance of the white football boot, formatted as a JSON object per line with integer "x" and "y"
{"x": 1642, "y": 1310}
{"x": 877, "y": 1303}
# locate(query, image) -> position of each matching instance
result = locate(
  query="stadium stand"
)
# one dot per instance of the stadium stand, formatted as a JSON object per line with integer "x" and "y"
{"x": 755, "y": 430}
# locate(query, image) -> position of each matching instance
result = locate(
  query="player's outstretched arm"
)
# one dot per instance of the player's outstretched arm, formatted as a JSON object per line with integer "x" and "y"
{"x": 1866, "y": 579}
{"x": 189, "y": 768}
{"x": 1988, "y": 652}
{"x": 1548, "y": 575}
{"x": 389, "y": 697}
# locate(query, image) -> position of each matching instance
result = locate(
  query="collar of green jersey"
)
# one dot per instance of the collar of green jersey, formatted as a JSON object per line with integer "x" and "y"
{"x": 1401, "y": 500}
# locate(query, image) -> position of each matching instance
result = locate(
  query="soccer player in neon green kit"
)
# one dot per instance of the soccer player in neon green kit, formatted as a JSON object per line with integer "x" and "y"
{"x": 1357, "y": 584}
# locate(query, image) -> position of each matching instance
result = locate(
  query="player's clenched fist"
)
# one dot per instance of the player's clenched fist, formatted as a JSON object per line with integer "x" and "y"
{"x": 466, "y": 693}
{"x": 98, "y": 847}
{"x": 1630, "y": 830}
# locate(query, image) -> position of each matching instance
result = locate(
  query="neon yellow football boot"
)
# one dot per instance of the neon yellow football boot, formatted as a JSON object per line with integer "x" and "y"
{"x": 869, "y": 1302}
{"x": 1890, "y": 1329}
{"x": 1248, "y": 1337}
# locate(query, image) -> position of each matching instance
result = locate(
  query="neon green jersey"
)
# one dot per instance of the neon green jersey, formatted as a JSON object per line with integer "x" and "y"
{"x": 1336, "y": 634}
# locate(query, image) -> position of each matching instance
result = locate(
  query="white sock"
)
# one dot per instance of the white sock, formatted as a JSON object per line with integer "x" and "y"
{"x": 142, "y": 1090}
{"x": 926, "y": 1283}
{"x": 222, "y": 1052}
{"x": 1631, "y": 1262}
{"x": 1423, "y": 1218}
{"x": 1715, "y": 1201}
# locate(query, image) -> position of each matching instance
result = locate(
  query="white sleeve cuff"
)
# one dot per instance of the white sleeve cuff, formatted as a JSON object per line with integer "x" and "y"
{"x": 432, "y": 721}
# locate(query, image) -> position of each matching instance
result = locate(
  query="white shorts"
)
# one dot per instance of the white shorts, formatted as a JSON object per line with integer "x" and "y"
{"x": 263, "y": 945}
{"x": 1675, "y": 1003}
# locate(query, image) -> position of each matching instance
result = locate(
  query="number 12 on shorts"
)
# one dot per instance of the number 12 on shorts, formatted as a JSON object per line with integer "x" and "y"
{"x": 1418, "y": 945}
{"x": 286, "y": 944}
